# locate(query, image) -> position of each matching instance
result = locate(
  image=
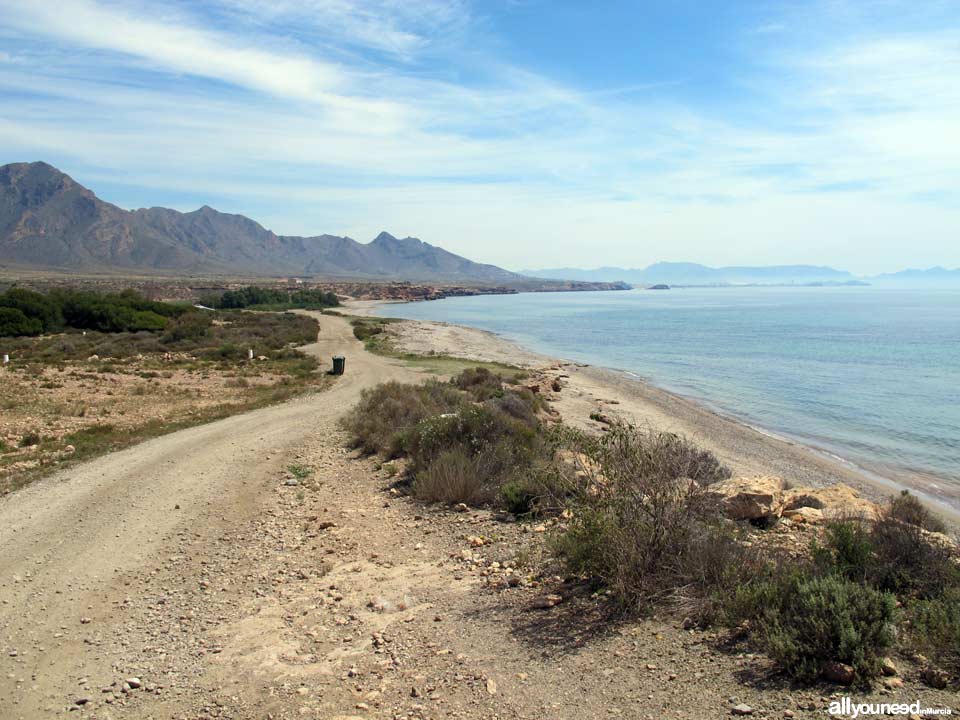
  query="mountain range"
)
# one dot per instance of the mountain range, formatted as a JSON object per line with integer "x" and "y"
{"x": 688, "y": 274}
{"x": 49, "y": 221}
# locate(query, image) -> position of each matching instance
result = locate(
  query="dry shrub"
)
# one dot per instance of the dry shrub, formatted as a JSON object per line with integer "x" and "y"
{"x": 630, "y": 452}
{"x": 908, "y": 563}
{"x": 934, "y": 630}
{"x": 906, "y": 508}
{"x": 453, "y": 477}
{"x": 641, "y": 524}
{"x": 384, "y": 413}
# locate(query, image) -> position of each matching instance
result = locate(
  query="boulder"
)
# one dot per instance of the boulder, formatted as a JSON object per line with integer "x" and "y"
{"x": 808, "y": 515}
{"x": 839, "y": 672}
{"x": 749, "y": 498}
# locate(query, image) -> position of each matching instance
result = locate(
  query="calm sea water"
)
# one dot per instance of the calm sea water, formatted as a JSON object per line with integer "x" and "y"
{"x": 871, "y": 375}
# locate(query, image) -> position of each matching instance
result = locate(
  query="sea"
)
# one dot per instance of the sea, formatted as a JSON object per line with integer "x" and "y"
{"x": 869, "y": 375}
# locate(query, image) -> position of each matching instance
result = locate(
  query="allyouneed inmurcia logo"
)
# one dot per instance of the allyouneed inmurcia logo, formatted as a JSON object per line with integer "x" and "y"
{"x": 846, "y": 707}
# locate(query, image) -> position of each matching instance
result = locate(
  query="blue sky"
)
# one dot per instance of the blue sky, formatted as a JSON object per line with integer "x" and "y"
{"x": 521, "y": 132}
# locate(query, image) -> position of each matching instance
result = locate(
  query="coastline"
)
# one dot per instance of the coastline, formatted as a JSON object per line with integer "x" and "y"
{"x": 620, "y": 394}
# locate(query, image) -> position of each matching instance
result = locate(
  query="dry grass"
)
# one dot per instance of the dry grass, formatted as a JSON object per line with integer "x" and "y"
{"x": 56, "y": 394}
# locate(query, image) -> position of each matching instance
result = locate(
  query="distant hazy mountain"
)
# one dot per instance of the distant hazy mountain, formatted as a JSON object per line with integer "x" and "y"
{"x": 49, "y": 221}
{"x": 937, "y": 276}
{"x": 693, "y": 274}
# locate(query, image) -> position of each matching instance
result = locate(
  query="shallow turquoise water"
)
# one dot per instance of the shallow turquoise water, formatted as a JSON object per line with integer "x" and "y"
{"x": 871, "y": 375}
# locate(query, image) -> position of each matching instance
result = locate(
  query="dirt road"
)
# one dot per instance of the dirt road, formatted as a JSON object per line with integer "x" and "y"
{"x": 69, "y": 544}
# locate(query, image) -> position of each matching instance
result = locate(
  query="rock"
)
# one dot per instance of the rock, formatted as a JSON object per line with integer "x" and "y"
{"x": 134, "y": 682}
{"x": 291, "y": 482}
{"x": 936, "y": 678}
{"x": 81, "y": 701}
{"x": 839, "y": 673}
{"x": 491, "y": 686}
{"x": 461, "y": 507}
{"x": 888, "y": 668}
{"x": 547, "y": 601}
{"x": 809, "y": 515}
{"x": 892, "y": 683}
{"x": 749, "y": 498}
{"x": 834, "y": 501}
{"x": 741, "y": 709}
{"x": 69, "y": 450}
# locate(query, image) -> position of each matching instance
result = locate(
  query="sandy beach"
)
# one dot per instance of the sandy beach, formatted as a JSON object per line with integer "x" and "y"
{"x": 619, "y": 395}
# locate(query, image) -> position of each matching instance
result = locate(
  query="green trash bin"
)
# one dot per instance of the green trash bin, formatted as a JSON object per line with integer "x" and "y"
{"x": 339, "y": 363}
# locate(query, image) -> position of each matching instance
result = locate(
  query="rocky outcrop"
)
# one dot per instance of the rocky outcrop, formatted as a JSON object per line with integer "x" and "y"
{"x": 833, "y": 501}
{"x": 768, "y": 497}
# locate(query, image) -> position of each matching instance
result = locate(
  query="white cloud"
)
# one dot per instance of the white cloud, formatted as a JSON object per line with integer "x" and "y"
{"x": 175, "y": 46}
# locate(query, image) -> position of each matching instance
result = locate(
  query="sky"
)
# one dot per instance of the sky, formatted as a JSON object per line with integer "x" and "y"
{"x": 525, "y": 133}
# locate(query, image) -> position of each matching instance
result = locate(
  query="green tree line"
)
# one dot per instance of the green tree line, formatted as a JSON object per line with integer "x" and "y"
{"x": 26, "y": 312}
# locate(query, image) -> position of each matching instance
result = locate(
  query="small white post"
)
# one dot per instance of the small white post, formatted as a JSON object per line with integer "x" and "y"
{"x": 250, "y": 354}
{"x": 6, "y": 358}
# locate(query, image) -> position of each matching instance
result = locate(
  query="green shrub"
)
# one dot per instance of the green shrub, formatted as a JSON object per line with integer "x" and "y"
{"x": 501, "y": 444}
{"x": 364, "y": 331}
{"x": 518, "y": 497}
{"x": 35, "y": 306}
{"x": 480, "y": 383}
{"x": 803, "y": 622}
{"x": 13, "y": 323}
{"x": 384, "y": 413}
{"x": 908, "y": 509}
{"x": 934, "y": 630}
{"x": 301, "y": 472}
{"x": 848, "y": 550}
{"x": 254, "y": 296}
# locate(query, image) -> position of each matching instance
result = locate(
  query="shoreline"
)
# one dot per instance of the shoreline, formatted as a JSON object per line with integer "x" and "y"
{"x": 618, "y": 393}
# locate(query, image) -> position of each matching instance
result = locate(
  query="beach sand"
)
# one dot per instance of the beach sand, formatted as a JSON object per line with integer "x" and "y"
{"x": 618, "y": 395}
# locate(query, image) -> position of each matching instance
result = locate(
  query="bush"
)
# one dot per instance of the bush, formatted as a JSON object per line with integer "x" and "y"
{"x": 365, "y": 329}
{"x": 480, "y": 383}
{"x": 640, "y": 525}
{"x": 35, "y": 306}
{"x": 848, "y": 551}
{"x": 384, "y": 413}
{"x": 263, "y": 297}
{"x": 13, "y": 323}
{"x": 499, "y": 447}
{"x": 908, "y": 563}
{"x": 908, "y": 509}
{"x": 189, "y": 326}
{"x": 934, "y": 629}
{"x": 803, "y": 622}
{"x": 475, "y": 428}
{"x": 888, "y": 555}
{"x": 627, "y": 453}
{"x": 454, "y": 476}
